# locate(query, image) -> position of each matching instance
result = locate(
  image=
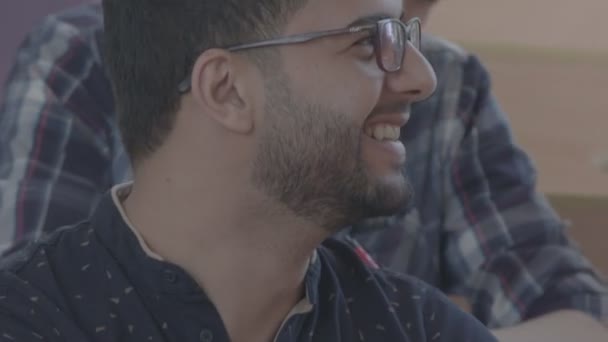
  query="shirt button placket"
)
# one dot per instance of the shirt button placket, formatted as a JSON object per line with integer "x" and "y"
{"x": 206, "y": 335}
{"x": 170, "y": 276}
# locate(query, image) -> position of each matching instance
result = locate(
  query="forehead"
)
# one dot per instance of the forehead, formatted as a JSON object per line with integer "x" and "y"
{"x": 329, "y": 14}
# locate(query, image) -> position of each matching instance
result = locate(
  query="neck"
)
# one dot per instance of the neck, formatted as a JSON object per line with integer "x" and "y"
{"x": 249, "y": 260}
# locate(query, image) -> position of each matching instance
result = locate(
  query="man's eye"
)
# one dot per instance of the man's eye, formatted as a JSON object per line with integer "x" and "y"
{"x": 365, "y": 41}
{"x": 365, "y": 47}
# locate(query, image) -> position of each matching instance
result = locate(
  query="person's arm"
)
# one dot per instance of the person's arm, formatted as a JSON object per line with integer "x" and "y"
{"x": 55, "y": 128}
{"x": 445, "y": 321}
{"x": 505, "y": 248}
{"x": 424, "y": 312}
{"x": 561, "y": 326}
{"x": 436, "y": 318}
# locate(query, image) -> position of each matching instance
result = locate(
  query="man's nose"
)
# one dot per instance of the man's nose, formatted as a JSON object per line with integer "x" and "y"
{"x": 416, "y": 79}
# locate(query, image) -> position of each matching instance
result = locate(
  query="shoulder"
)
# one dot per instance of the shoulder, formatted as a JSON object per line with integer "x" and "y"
{"x": 462, "y": 83}
{"x": 58, "y": 67}
{"x": 68, "y": 40}
{"x": 50, "y": 263}
{"x": 23, "y": 260}
{"x": 437, "y": 316}
{"x": 434, "y": 46}
{"x": 449, "y": 59}
{"x": 82, "y": 21}
{"x": 32, "y": 281}
{"x": 398, "y": 300}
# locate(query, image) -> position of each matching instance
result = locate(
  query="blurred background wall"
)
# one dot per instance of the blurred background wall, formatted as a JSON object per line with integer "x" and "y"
{"x": 549, "y": 63}
{"x": 570, "y": 24}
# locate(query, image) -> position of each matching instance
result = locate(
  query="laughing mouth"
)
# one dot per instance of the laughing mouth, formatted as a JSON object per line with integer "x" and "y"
{"x": 383, "y": 132}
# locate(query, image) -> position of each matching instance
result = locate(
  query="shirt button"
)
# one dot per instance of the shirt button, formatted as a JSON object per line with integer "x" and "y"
{"x": 206, "y": 335}
{"x": 169, "y": 276}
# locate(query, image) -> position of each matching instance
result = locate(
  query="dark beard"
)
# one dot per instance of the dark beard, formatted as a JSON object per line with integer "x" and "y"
{"x": 309, "y": 160}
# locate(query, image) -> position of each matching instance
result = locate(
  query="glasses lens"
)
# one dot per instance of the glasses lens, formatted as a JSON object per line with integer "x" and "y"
{"x": 391, "y": 39}
{"x": 414, "y": 34}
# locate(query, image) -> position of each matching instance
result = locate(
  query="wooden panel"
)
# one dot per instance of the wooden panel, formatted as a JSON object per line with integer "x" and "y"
{"x": 589, "y": 218}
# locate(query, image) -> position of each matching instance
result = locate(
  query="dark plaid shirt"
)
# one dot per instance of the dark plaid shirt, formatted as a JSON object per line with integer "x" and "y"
{"x": 96, "y": 282}
{"x": 479, "y": 228}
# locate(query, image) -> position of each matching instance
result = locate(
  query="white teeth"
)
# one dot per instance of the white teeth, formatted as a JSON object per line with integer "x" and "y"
{"x": 396, "y": 132}
{"x": 378, "y": 132}
{"x": 389, "y": 132}
{"x": 383, "y": 132}
{"x": 369, "y": 131}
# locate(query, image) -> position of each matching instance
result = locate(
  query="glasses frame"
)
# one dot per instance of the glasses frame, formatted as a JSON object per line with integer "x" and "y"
{"x": 412, "y": 26}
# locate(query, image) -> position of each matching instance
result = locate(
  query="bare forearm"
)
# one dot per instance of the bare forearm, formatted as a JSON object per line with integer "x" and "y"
{"x": 556, "y": 327}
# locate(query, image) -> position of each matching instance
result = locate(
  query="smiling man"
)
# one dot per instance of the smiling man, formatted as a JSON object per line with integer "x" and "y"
{"x": 256, "y": 130}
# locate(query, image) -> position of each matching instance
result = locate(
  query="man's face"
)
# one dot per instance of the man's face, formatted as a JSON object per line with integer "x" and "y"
{"x": 328, "y": 146}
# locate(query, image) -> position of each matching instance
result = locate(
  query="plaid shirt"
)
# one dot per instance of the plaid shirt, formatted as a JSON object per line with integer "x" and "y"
{"x": 478, "y": 227}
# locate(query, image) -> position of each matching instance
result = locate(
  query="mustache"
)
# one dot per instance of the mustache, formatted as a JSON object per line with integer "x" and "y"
{"x": 392, "y": 108}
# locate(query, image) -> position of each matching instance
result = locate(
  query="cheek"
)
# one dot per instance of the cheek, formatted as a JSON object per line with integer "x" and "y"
{"x": 350, "y": 88}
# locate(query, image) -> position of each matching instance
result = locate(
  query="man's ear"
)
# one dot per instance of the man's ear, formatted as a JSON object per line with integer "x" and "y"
{"x": 219, "y": 88}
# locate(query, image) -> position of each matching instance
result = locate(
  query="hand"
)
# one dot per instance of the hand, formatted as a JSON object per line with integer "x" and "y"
{"x": 560, "y": 326}
{"x": 461, "y": 302}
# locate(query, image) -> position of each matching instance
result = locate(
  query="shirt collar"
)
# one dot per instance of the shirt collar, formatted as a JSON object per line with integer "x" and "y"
{"x": 119, "y": 194}
{"x": 148, "y": 270}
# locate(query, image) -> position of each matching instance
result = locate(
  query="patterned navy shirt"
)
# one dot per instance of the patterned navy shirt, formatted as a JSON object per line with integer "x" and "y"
{"x": 97, "y": 282}
{"x": 478, "y": 228}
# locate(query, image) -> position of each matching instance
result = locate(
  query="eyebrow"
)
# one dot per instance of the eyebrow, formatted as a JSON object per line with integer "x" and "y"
{"x": 369, "y": 19}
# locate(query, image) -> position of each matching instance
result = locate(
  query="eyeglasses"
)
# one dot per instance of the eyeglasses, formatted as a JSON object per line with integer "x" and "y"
{"x": 389, "y": 36}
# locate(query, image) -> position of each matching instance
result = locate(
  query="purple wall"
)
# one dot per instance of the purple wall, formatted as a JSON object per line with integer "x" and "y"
{"x": 17, "y": 17}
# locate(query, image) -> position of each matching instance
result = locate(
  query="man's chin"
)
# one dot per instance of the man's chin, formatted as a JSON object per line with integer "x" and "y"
{"x": 390, "y": 196}
{"x": 389, "y": 206}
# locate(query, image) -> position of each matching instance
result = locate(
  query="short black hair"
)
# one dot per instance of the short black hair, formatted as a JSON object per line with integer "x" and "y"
{"x": 151, "y": 45}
